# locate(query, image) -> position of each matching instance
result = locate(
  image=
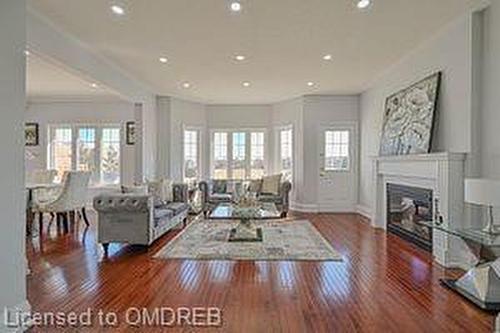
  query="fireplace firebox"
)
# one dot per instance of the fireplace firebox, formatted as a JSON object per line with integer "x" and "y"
{"x": 406, "y": 206}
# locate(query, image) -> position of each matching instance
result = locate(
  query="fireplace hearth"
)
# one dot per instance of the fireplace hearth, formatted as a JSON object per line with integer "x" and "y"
{"x": 406, "y": 206}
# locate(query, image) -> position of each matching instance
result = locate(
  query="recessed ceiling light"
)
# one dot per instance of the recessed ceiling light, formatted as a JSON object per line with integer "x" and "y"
{"x": 362, "y": 4}
{"x": 327, "y": 57}
{"x": 310, "y": 84}
{"x": 246, "y": 84}
{"x": 186, "y": 85}
{"x": 163, "y": 60}
{"x": 27, "y": 53}
{"x": 235, "y": 6}
{"x": 118, "y": 10}
{"x": 94, "y": 85}
{"x": 240, "y": 57}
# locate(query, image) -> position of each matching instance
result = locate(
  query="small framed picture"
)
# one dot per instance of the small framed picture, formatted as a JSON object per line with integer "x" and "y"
{"x": 130, "y": 132}
{"x": 31, "y": 134}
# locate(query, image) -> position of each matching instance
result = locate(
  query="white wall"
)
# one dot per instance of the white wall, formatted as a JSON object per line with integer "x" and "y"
{"x": 490, "y": 124}
{"x": 288, "y": 113}
{"x": 12, "y": 200}
{"x": 184, "y": 113}
{"x": 80, "y": 113}
{"x": 321, "y": 111}
{"x": 448, "y": 51}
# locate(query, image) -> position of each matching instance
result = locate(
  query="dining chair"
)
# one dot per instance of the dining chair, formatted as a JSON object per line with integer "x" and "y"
{"x": 41, "y": 176}
{"x": 71, "y": 198}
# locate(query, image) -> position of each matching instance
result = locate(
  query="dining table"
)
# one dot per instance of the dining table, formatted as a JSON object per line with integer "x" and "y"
{"x": 30, "y": 189}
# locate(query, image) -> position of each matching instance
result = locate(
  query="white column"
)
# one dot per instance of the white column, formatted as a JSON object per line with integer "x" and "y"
{"x": 12, "y": 200}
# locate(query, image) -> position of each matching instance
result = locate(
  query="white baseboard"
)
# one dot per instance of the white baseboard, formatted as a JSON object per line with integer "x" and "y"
{"x": 314, "y": 208}
{"x": 364, "y": 211}
{"x": 24, "y": 308}
{"x": 303, "y": 208}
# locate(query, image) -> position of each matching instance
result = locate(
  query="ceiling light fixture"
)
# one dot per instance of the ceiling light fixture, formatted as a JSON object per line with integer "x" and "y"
{"x": 240, "y": 57}
{"x": 310, "y": 84}
{"x": 327, "y": 57}
{"x": 118, "y": 10}
{"x": 186, "y": 85}
{"x": 246, "y": 84}
{"x": 163, "y": 60}
{"x": 27, "y": 52}
{"x": 235, "y": 6}
{"x": 362, "y": 4}
{"x": 94, "y": 85}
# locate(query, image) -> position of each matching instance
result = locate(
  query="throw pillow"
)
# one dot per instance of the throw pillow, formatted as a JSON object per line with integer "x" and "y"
{"x": 168, "y": 190}
{"x": 255, "y": 186}
{"x": 161, "y": 190}
{"x": 219, "y": 186}
{"x": 139, "y": 190}
{"x": 271, "y": 184}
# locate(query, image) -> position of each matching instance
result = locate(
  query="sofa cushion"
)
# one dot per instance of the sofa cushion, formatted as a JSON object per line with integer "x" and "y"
{"x": 271, "y": 184}
{"x": 220, "y": 197}
{"x": 177, "y": 207}
{"x": 162, "y": 213}
{"x": 268, "y": 197}
{"x": 140, "y": 190}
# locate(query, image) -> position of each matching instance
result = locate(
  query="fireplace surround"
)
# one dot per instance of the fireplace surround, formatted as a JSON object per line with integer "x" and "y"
{"x": 443, "y": 174}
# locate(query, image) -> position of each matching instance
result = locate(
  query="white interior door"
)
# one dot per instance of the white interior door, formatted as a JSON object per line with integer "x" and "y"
{"x": 337, "y": 177}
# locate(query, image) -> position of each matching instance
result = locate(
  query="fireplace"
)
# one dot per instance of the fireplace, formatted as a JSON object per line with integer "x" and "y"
{"x": 406, "y": 206}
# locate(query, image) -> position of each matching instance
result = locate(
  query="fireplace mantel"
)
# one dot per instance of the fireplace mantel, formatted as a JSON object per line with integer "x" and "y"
{"x": 443, "y": 173}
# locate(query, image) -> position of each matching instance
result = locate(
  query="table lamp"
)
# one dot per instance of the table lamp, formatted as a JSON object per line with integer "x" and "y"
{"x": 484, "y": 192}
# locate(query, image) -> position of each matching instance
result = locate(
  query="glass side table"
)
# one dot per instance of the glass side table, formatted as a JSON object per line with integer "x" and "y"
{"x": 481, "y": 284}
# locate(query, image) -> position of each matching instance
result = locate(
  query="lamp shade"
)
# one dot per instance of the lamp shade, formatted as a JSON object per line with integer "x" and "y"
{"x": 481, "y": 191}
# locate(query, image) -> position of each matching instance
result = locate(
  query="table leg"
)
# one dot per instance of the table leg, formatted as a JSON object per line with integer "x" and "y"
{"x": 480, "y": 285}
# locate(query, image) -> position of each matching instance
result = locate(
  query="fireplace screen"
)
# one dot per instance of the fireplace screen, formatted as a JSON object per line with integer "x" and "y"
{"x": 406, "y": 206}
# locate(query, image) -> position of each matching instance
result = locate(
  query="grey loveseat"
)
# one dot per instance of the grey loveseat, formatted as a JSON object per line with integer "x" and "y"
{"x": 136, "y": 219}
{"x": 214, "y": 192}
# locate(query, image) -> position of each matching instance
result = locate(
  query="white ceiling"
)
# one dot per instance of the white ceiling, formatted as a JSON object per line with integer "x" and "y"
{"x": 46, "y": 80}
{"x": 284, "y": 41}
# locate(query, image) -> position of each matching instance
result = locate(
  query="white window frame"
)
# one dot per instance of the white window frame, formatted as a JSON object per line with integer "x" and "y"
{"x": 199, "y": 150}
{"x": 248, "y": 147}
{"x": 350, "y": 142}
{"x": 278, "y": 130}
{"x": 75, "y": 127}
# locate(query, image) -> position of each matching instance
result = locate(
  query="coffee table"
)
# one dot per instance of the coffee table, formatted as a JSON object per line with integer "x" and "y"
{"x": 245, "y": 231}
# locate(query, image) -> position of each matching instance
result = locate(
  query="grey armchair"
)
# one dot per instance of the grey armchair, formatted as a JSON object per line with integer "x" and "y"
{"x": 214, "y": 192}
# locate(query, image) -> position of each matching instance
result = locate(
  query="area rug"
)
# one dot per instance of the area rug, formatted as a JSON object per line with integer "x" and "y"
{"x": 282, "y": 240}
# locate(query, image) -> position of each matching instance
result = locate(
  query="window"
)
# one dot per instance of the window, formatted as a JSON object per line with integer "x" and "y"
{"x": 86, "y": 148}
{"x": 257, "y": 167}
{"x": 86, "y": 151}
{"x": 191, "y": 155}
{"x": 61, "y": 152}
{"x": 337, "y": 151}
{"x": 220, "y": 163}
{"x": 110, "y": 156}
{"x": 238, "y": 162}
{"x": 238, "y": 154}
{"x": 286, "y": 153}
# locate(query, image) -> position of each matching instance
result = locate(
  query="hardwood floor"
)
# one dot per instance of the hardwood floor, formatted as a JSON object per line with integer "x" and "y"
{"x": 383, "y": 285}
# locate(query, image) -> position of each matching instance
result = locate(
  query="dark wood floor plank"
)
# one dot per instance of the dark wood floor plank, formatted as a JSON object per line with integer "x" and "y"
{"x": 384, "y": 284}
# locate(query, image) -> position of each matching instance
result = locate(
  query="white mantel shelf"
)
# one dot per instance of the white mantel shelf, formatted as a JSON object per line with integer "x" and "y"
{"x": 443, "y": 173}
{"x": 446, "y": 156}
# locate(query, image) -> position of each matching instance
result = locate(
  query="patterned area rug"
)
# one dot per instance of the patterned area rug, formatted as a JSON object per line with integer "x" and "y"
{"x": 282, "y": 240}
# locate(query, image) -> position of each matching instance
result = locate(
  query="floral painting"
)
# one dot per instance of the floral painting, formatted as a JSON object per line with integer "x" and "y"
{"x": 409, "y": 118}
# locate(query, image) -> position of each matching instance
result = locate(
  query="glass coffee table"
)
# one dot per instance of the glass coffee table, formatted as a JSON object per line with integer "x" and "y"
{"x": 245, "y": 231}
{"x": 481, "y": 284}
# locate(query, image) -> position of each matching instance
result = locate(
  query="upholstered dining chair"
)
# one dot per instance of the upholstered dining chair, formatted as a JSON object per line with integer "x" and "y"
{"x": 41, "y": 176}
{"x": 71, "y": 198}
